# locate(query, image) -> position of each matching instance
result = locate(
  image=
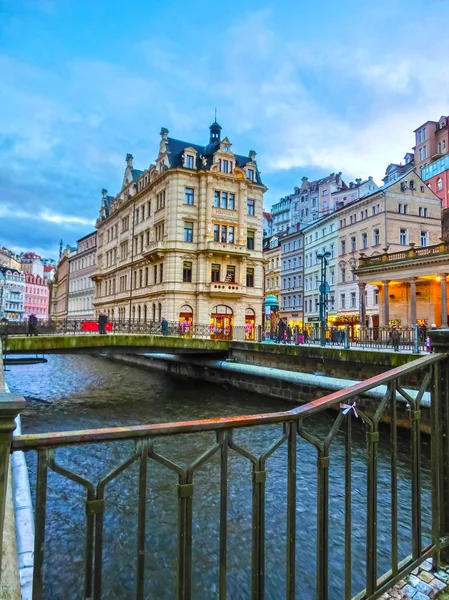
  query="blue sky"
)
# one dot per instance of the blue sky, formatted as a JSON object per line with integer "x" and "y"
{"x": 313, "y": 87}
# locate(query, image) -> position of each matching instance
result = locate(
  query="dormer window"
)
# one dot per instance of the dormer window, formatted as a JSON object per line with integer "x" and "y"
{"x": 189, "y": 161}
{"x": 251, "y": 174}
{"x": 224, "y": 166}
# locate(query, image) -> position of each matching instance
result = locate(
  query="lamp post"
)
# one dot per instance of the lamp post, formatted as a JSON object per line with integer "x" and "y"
{"x": 324, "y": 291}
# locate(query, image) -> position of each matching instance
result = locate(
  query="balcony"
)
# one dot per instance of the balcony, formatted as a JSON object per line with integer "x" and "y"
{"x": 155, "y": 250}
{"x": 218, "y": 288}
{"x": 223, "y": 248}
{"x": 438, "y": 251}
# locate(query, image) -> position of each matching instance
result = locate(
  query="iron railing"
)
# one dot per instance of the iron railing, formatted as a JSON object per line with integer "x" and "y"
{"x": 297, "y": 426}
{"x": 380, "y": 338}
{"x": 171, "y": 328}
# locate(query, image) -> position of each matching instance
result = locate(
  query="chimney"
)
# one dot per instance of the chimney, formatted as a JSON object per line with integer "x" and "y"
{"x": 164, "y": 133}
{"x": 252, "y": 155}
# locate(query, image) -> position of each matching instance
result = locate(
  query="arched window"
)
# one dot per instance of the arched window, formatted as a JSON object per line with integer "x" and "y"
{"x": 145, "y": 313}
{"x": 134, "y": 313}
{"x": 439, "y": 184}
{"x": 139, "y": 313}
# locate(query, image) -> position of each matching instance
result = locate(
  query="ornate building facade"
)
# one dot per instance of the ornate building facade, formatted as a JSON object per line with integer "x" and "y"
{"x": 183, "y": 238}
{"x": 12, "y": 294}
{"x": 82, "y": 266}
{"x": 37, "y": 297}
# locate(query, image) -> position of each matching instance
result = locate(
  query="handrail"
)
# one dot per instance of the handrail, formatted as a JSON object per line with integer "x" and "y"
{"x": 92, "y": 436}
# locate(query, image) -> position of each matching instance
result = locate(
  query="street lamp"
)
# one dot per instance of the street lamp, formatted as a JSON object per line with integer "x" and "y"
{"x": 324, "y": 291}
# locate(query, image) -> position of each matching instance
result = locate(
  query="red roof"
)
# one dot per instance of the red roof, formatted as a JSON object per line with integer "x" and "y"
{"x": 267, "y": 216}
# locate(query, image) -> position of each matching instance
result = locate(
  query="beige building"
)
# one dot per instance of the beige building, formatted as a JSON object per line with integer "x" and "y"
{"x": 402, "y": 214}
{"x": 183, "y": 239}
{"x": 82, "y": 266}
{"x": 59, "y": 293}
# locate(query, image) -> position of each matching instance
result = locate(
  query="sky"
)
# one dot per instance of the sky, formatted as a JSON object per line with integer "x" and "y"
{"x": 312, "y": 87}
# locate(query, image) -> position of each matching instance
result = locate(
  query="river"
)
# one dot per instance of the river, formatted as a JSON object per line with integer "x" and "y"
{"x": 80, "y": 392}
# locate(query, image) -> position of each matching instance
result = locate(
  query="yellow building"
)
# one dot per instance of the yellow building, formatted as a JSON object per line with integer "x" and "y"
{"x": 272, "y": 255}
{"x": 183, "y": 239}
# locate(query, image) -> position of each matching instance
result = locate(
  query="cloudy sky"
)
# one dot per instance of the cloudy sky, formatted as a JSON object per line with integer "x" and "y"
{"x": 313, "y": 87}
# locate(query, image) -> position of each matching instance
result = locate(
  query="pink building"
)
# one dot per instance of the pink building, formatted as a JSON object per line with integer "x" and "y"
{"x": 36, "y": 297}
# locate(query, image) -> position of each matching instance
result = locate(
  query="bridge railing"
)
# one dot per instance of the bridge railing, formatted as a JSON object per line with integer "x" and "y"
{"x": 290, "y": 430}
{"x": 410, "y": 338}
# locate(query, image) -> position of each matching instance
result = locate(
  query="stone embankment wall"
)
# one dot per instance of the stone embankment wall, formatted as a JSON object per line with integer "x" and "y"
{"x": 333, "y": 361}
{"x": 271, "y": 385}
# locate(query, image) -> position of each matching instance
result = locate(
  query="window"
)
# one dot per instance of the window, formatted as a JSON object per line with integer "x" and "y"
{"x": 160, "y": 200}
{"x": 250, "y": 240}
{"x": 189, "y": 196}
{"x": 189, "y": 161}
{"x": 215, "y": 273}
{"x": 216, "y": 232}
{"x": 421, "y": 135}
{"x": 423, "y": 153}
{"x": 324, "y": 192}
{"x": 424, "y": 238}
{"x": 376, "y": 237}
{"x": 439, "y": 184}
{"x": 332, "y": 282}
{"x": 373, "y": 210}
{"x": 403, "y": 237}
{"x": 125, "y": 224}
{"x": 188, "y": 231}
{"x": 230, "y": 274}
{"x": 148, "y": 209}
{"x": 146, "y": 276}
{"x": 231, "y": 236}
{"x": 353, "y": 300}
{"x": 217, "y": 199}
{"x": 251, "y": 207}
{"x": 405, "y": 209}
{"x": 249, "y": 277}
{"x": 422, "y": 211}
{"x": 342, "y": 301}
{"x": 251, "y": 174}
{"x": 343, "y": 274}
{"x": 364, "y": 241}
{"x": 353, "y": 244}
{"x": 187, "y": 272}
{"x": 161, "y": 272}
{"x": 343, "y": 247}
{"x": 155, "y": 274}
{"x": 376, "y": 296}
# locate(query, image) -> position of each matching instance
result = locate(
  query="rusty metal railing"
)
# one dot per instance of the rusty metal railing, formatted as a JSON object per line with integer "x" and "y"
{"x": 432, "y": 371}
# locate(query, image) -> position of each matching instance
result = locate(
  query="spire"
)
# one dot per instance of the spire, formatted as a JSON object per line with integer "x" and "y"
{"x": 129, "y": 160}
{"x": 60, "y": 249}
{"x": 215, "y": 131}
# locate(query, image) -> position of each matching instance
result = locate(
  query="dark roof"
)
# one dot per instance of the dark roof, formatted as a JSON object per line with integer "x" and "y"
{"x": 5, "y": 270}
{"x": 136, "y": 174}
{"x": 88, "y": 235}
{"x": 177, "y": 147}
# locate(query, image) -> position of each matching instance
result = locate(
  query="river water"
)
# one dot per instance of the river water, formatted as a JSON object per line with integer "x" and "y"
{"x": 80, "y": 392}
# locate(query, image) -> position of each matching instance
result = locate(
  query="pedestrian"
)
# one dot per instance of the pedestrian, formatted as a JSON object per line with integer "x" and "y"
{"x": 395, "y": 337}
{"x": 289, "y": 334}
{"x": 334, "y": 336}
{"x": 340, "y": 336}
{"x": 32, "y": 325}
{"x": 102, "y": 321}
{"x": 306, "y": 335}
{"x": 281, "y": 330}
{"x": 428, "y": 341}
{"x": 164, "y": 326}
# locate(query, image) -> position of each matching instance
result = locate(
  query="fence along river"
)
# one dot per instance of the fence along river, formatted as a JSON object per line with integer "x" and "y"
{"x": 80, "y": 392}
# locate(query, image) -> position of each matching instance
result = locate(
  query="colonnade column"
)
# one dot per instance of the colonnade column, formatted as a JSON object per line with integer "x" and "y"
{"x": 412, "y": 283}
{"x": 386, "y": 315}
{"x": 362, "y": 304}
{"x": 443, "y": 301}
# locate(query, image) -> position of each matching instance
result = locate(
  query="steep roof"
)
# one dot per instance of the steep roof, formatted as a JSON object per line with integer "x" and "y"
{"x": 176, "y": 149}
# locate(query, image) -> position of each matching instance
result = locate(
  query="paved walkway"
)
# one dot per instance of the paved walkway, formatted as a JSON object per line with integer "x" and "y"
{"x": 421, "y": 584}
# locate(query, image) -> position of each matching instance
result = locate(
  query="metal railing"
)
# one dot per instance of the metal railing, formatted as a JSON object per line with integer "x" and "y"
{"x": 411, "y": 339}
{"x": 126, "y": 326}
{"x": 296, "y": 426}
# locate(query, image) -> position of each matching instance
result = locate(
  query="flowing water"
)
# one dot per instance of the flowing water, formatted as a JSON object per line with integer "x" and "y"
{"x": 80, "y": 392}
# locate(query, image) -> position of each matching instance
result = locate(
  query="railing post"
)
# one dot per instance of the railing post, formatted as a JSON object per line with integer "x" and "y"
{"x": 439, "y": 339}
{"x": 346, "y": 340}
{"x": 10, "y": 407}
